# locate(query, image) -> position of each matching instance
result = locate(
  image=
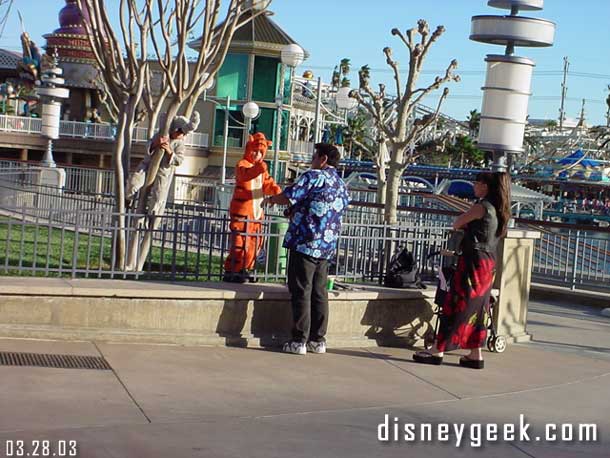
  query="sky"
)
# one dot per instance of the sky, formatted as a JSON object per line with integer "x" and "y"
{"x": 359, "y": 30}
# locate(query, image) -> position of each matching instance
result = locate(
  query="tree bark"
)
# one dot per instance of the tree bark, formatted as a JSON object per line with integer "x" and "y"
{"x": 119, "y": 189}
{"x": 138, "y": 251}
{"x": 382, "y": 179}
{"x": 392, "y": 194}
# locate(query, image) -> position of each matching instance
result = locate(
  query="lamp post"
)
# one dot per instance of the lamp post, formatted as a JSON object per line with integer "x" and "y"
{"x": 326, "y": 111}
{"x": 250, "y": 111}
{"x": 345, "y": 103}
{"x": 292, "y": 56}
{"x": 508, "y": 79}
{"x": 52, "y": 94}
{"x": 6, "y": 90}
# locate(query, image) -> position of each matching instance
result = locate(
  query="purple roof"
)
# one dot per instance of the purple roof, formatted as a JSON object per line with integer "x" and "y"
{"x": 71, "y": 19}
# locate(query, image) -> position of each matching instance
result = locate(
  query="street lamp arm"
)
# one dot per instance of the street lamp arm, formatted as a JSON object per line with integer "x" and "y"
{"x": 224, "y": 105}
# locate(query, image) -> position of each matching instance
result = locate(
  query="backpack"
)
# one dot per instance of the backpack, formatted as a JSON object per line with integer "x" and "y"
{"x": 403, "y": 272}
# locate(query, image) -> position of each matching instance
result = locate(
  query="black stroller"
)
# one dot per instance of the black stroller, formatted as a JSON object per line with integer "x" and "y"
{"x": 495, "y": 343}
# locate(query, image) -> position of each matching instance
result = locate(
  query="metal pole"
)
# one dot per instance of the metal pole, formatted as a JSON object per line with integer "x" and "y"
{"x": 47, "y": 160}
{"x": 316, "y": 126}
{"x": 226, "y": 142}
{"x": 278, "y": 124}
{"x": 564, "y": 91}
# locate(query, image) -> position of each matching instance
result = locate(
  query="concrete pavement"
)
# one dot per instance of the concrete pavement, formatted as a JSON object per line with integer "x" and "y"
{"x": 172, "y": 401}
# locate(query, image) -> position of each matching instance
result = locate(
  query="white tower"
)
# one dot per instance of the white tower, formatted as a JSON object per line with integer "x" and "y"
{"x": 51, "y": 94}
{"x": 509, "y": 77}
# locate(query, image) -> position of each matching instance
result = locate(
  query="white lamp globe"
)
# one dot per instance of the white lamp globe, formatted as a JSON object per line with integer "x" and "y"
{"x": 250, "y": 110}
{"x": 344, "y": 101}
{"x": 209, "y": 82}
{"x": 293, "y": 55}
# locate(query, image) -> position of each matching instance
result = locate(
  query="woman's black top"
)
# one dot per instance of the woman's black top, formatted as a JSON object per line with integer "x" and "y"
{"x": 480, "y": 234}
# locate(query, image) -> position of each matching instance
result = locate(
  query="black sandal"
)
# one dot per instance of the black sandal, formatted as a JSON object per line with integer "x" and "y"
{"x": 472, "y": 363}
{"x": 427, "y": 358}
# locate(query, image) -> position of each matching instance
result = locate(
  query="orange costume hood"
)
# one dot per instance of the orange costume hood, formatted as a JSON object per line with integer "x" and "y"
{"x": 256, "y": 142}
{"x": 252, "y": 181}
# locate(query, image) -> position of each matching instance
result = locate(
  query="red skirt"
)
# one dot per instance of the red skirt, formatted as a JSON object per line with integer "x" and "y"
{"x": 464, "y": 317}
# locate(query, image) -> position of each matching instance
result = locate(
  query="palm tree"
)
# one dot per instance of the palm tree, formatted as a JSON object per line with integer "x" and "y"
{"x": 345, "y": 66}
{"x": 474, "y": 121}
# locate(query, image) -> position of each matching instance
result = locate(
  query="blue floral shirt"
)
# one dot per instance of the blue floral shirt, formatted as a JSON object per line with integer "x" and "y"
{"x": 317, "y": 200}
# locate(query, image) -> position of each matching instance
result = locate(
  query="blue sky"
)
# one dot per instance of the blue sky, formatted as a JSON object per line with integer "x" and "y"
{"x": 360, "y": 29}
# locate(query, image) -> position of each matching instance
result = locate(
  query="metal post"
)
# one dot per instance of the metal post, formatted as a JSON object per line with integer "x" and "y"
{"x": 500, "y": 162}
{"x": 575, "y": 261}
{"x": 564, "y": 91}
{"x": 47, "y": 160}
{"x": 278, "y": 124}
{"x": 226, "y": 142}
{"x": 316, "y": 126}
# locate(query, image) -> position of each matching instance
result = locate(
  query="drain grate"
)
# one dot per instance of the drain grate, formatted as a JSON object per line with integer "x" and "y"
{"x": 57, "y": 361}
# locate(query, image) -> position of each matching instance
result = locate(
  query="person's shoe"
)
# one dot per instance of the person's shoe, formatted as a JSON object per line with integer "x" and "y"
{"x": 316, "y": 347}
{"x": 228, "y": 277}
{"x": 240, "y": 277}
{"x": 296, "y": 348}
{"x": 427, "y": 358}
{"x": 472, "y": 363}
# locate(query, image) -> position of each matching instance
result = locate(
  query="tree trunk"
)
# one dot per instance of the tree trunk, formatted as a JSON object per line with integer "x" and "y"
{"x": 119, "y": 191}
{"x": 392, "y": 194}
{"x": 191, "y": 103}
{"x": 138, "y": 252}
{"x": 382, "y": 179}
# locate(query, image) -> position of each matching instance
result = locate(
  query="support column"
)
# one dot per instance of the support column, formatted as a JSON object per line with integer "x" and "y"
{"x": 100, "y": 162}
{"x": 23, "y": 154}
{"x": 513, "y": 279}
{"x": 69, "y": 157}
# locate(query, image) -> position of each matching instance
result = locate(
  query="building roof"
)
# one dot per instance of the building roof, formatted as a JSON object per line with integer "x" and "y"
{"x": 9, "y": 59}
{"x": 259, "y": 34}
{"x": 522, "y": 194}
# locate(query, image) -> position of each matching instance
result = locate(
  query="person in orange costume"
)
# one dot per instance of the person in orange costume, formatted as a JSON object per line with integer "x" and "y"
{"x": 252, "y": 183}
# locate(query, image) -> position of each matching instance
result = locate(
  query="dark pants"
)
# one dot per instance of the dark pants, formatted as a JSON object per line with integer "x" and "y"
{"x": 307, "y": 281}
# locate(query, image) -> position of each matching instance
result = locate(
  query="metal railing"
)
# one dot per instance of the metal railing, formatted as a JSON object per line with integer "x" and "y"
{"x": 20, "y": 124}
{"x": 78, "y": 179}
{"x": 88, "y": 130}
{"x": 574, "y": 258}
{"x": 75, "y": 129}
{"x": 49, "y": 232}
{"x": 193, "y": 239}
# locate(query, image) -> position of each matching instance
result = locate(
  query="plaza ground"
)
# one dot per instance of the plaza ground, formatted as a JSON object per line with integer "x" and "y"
{"x": 175, "y": 401}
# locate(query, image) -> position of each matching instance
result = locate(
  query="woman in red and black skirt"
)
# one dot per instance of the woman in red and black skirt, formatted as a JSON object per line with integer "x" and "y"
{"x": 463, "y": 322}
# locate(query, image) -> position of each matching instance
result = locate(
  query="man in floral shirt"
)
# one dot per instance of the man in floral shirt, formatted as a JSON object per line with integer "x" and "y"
{"x": 317, "y": 201}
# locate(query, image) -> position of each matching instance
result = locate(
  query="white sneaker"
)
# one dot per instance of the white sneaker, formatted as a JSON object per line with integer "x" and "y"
{"x": 316, "y": 347}
{"x": 297, "y": 348}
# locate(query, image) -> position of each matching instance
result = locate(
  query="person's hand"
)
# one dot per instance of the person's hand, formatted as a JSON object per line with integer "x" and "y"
{"x": 168, "y": 149}
{"x": 159, "y": 142}
{"x": 257, "y": 157}
{"x": 267, "y": 202}
{"x": 448, "y": 253}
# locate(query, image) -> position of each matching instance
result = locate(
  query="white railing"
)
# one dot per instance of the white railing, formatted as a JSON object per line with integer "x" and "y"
{"x": 78, "y": 179}
{"x": 89, "y": 130}
{"x": 20, "y": 124}
{"x": 300, "y": 150}
{"x": 140, "y": 134}
{"x": 75, "y": 129}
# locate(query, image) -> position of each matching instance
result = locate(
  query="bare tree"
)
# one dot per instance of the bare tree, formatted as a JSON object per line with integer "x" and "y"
{"x": 125, "y": 73}
{"x": 398, "y": 131}
{"x": 123, "y": 68}
{"x": 183, "y": 81}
